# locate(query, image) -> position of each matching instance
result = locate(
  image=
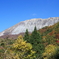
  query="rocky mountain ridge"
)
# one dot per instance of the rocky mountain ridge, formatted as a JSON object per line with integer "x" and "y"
{"x": 29, "y": 24}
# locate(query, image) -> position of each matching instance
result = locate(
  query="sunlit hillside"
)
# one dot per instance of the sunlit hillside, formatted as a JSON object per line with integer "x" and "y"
{"x": 41, "y": 44}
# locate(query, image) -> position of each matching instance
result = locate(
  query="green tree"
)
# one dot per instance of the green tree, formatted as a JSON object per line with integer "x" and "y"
{"x": 36, "y": 41}
{"x": 26, "y": 35}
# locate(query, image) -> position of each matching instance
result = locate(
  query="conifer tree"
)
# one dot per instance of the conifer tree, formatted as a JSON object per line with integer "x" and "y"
{"x": 36, "y": 41}
{"x": 26, "y": 36}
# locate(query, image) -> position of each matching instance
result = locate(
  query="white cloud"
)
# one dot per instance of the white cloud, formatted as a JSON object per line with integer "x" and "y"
{"x": 34, "y": 14}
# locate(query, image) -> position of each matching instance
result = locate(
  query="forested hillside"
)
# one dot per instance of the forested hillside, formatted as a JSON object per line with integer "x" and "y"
{"x": 41, "y": 44}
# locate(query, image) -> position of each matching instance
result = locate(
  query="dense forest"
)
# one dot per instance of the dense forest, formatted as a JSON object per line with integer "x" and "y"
{"x": 40, "y": 44}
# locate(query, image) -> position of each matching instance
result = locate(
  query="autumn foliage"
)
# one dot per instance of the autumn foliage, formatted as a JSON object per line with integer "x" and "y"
{"x": 41, "y": 44}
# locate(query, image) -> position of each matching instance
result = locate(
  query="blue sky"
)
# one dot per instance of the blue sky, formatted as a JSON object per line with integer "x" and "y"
{"x": 14, "y": 11}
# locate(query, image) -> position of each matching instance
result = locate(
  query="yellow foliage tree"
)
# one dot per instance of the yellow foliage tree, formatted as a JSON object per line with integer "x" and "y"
{"x": 21, "y": 50}
{"x": 50, "y": 52}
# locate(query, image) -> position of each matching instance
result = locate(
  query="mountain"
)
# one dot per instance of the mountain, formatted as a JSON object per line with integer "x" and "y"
{"x": 29, "y": 24}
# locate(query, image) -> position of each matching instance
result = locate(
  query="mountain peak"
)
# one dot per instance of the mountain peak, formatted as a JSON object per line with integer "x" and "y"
{"x": 30, "y": 24}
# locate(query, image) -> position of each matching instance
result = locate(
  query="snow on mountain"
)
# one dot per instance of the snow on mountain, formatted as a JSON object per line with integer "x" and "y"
{"x": 30, "y": 24}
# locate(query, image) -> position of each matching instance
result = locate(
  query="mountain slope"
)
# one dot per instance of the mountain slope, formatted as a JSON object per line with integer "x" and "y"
{"x": 29, "y": 24}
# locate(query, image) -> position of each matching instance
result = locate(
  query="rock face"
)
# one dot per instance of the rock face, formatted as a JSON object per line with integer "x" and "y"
{"x": 29, "y": 24}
